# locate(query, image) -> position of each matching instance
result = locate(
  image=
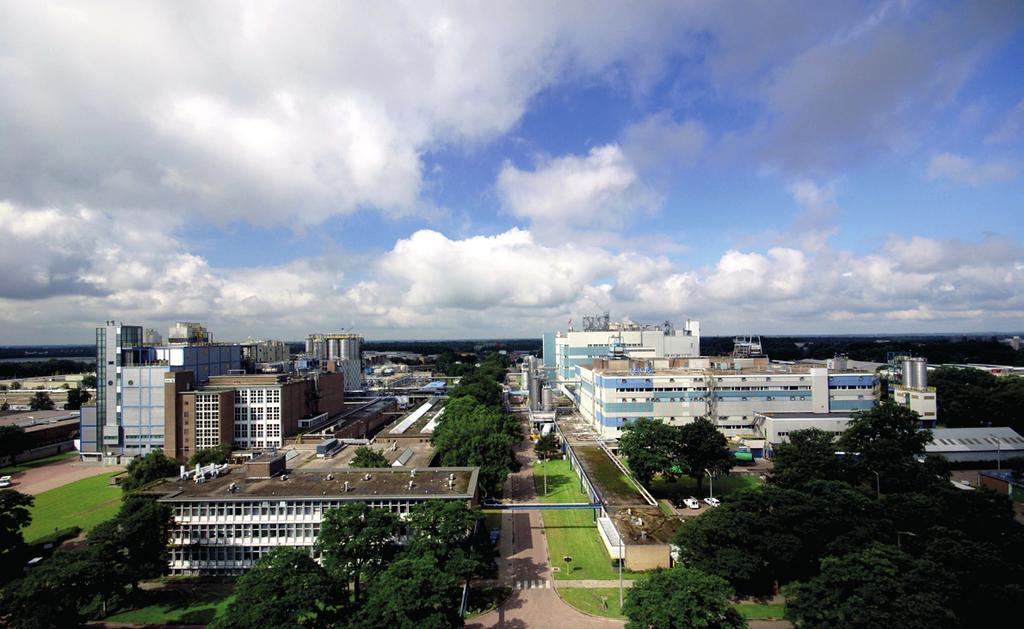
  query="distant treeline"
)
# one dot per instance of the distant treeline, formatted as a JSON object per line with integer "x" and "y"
{"x": 462, "y": 346}
{"x": 44, "y": 368}
{"x": 42, "y": 351}
{"x": 936, "y": 349}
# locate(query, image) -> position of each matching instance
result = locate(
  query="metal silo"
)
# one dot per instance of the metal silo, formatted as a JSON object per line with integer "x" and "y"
{"x": 915, "y": 373}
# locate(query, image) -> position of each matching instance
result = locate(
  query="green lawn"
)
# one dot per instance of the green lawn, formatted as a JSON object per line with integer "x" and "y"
{"x": 83, "y": 503}
{"x": 589, "y": 600}
{"x": 28, "y": 465}
{"x": 572, "y": 533}
{"x": 192, "y": 606}
{"x": 758, "y": 611}
{"x": 686, "y": 486}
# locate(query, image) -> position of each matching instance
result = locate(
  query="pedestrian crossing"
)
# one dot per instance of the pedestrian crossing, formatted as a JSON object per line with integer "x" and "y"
{"x": 534, "y": 584}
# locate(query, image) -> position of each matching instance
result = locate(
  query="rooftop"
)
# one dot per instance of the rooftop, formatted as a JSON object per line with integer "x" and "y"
{"x": 807, "y": 416}
{"x": 974, "y": 440}
{"x": 28, "y": 419}
{"x": 383, "y": 483}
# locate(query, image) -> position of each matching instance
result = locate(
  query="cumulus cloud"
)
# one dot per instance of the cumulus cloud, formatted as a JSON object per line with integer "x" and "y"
{"x": 575, "y": 193}
{"x": 954, "y": 168}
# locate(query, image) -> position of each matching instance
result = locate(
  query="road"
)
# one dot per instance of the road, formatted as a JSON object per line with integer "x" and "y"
{"x": 524, "y": 564}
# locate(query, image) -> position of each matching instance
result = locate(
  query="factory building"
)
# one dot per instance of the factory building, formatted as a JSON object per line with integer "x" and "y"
{"x": 188, "y": 332}
{"x": 263, "y": 353}
{"x": 601, "y": 338}
{"x": 729, "y": 390}
{"x": 130, "y": 414}
{"x": 958, "y": 445}
{"x": 338, "y": 353}
{"x": 223, "y": 524}
{"x": 910, "y": 388}
{"x": 254, "y": 411}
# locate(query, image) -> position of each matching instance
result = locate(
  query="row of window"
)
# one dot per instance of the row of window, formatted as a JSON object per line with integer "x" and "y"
{"x": 278, "y": 507}
{"x": 203, "y": 533}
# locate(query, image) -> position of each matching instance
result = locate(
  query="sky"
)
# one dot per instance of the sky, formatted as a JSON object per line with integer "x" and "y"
{"x": 475, "y": 170}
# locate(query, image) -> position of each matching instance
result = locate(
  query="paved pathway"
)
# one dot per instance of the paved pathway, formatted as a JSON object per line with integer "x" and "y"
{"x": 524, "y": 564}
{"x": 39, "y": 479}
{"x": 593, "y": 583}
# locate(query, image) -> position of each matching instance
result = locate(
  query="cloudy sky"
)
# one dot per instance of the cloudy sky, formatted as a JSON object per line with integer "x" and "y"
{"x": 450, "y": 170}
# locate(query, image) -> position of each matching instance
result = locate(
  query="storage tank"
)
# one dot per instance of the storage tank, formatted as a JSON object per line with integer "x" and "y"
{"x": 535, "y": 400}
{"x": 548, "y": 399}
{"x": 349, "y": 347}
{"x": 915, "y": 373}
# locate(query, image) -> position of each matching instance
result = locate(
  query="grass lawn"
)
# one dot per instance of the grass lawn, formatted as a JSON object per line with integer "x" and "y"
{"x": 191, "y": 606}
{"x": 686, "y": 487}
{"x": 758, "y": 611}
{"x": 28, "y": 465}
{"x": 589, "y": 600}
{"x": 83, "y": 503}
{"x": 572, "y": 532}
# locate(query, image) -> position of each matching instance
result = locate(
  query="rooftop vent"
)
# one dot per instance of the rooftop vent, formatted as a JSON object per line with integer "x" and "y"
{"x": 367, "y": 477}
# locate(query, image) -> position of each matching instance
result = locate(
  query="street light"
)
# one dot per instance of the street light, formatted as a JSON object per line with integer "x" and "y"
{"x": 622, "y": 558}
{"x": 878, "y": 484}
{"x": 999, "y": 452}
{"x": 711, "y": 483}
{"x": 899, "y": 535}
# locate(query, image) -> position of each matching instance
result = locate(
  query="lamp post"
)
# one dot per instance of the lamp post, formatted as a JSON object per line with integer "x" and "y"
{"x": 878, "y": 484}
{"x": 622, "y": 557}
{"x": 899, "y": 535}
{"x": 999, "y": 452}
{"x": 711, "y": 483}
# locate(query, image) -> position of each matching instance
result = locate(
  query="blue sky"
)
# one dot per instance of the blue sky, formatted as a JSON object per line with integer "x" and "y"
{"x": 451, "y": 170}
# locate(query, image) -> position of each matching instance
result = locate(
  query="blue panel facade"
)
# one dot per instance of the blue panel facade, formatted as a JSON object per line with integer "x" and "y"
{"x": 852, "y": 381}
{"x": 851, "y": 405}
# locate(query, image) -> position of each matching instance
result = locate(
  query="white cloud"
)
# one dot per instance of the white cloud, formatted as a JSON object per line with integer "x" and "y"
{"x": 658, "y": 142}
{"x": 964, "y": 170}
{"x": 577, "y": 193}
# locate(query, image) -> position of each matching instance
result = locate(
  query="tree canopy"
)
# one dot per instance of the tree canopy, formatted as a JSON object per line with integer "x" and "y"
{"x": 76, "y": 398}
{"x": 368, "y": 457}
{"x": 41, "y": 402}
{"x": 14, "y": 516}
{"x": 356, "y": 542}
{"x": 547, "y": 446}
{"x": 13, "y": 440}
{"x": 285, "y": 588}
{"x": 702, "y": 447}
{"x": 144, "y": 470}
{"x": 809, "y": 455}
{"x": 877, "y": 586}
{"x": 208, "y": 456}
{"x": 473, "y": 434}
{"x": 887, "y": 440}
{"x": 681, "y": 598}
{"x": 651, "y": 447}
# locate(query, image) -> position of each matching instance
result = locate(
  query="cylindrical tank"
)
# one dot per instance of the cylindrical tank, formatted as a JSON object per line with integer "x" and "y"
{"x": 349, "y": 347}
{"x": 915, "y": 373}
{"x": 309, "y": 345}
{"x": 548, "y": 398}
{"x": 534, "y": 391}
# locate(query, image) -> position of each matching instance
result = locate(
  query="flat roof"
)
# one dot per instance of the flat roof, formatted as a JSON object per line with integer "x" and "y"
{"x": 753, "y": 370}
{"x": 29, "y": 419}
{"x": 383, "y": 483}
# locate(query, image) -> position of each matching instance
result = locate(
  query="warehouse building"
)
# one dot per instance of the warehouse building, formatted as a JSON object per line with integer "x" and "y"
{"x": 958, "y": 445}
{"x": 224, "y": 523}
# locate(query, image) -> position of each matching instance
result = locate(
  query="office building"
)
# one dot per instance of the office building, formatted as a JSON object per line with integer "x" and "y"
{"x": 224, "y": 524}
{"x": 602, "y": 338}
{"x": 730, "y": 391}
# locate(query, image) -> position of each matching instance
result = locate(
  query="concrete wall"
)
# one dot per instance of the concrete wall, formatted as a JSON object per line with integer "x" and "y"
{"x": 648, "y": 556}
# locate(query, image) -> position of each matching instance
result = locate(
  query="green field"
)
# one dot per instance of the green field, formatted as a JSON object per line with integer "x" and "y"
{"x": 686, "y": 487}
{"x": 28, "y": 465}
{"x": 589, "y": 600}
{"x": 83, "y": 503}
{"x": 758, "y": 611}
{"x": 572, "y": 533}
{"x": 192, "y": 606}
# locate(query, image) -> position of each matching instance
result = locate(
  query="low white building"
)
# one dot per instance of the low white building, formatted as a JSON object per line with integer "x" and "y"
{"x": 777, "y": 427}
{"x": 975, "y": 444}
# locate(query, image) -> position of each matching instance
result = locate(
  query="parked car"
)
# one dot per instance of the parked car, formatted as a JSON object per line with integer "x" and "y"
{"x": 713, "y": 502}
{"x": 5, "y": 481}
{"x": 490, "y": 502}
{"x": 692, "y": 503}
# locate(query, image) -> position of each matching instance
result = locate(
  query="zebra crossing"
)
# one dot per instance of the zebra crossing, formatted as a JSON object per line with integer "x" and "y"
{"x": 533, "y": 584}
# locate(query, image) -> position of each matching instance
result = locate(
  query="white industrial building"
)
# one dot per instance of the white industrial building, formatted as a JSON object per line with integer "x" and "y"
{"x": 730, "y": 391}
{"x": 601, "y": 338}
{"x": 975, "y": 444}
{"x": 776, "y": 427}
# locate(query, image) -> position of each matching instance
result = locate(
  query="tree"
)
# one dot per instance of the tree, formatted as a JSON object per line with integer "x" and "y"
{"x": 208, "y": 456}
{"x": 368, "y": 457}
{"x": 76, "y": 398}
{"x": 681, "y": 598}
{"x": 144, "y": 470}
{"x": 547, "y": 446}
{"x": 134, "y": 542}
{"x": 5, "y": 406}
{"x": 887, "y": 440}
{"x": 41, "y": 402}
{"x": 13, "y": 441}
{"x": 412, "y": 593}
{"x": 15, "y": 385}
{"x": 14, "y": 516}
{"x": 89, "y": 381}
{"x": 54, "y": 593}
{"x": 809, "y": 455}
{"x": 445, "y": 529}
{"x": 702, "y": 447}
{"x": 476, "y": 435}
{"x": 651, "y": 447}
{"x": 878, "y": 586}
{"x": 356, "y": 542}
{"x": 285, "y": 588}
